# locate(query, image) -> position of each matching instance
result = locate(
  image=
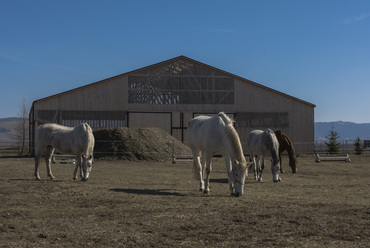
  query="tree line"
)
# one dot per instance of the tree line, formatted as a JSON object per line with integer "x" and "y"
{"x": 333, "y": 144}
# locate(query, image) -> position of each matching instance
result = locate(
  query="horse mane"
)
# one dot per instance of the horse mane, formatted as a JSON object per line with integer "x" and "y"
{"x": 273, "y": 144}
{"x": 286, "y": 144}
{"x": 233, "y": 137}
{"x": 88, "y": 138}
{"x": 225, "y": 118}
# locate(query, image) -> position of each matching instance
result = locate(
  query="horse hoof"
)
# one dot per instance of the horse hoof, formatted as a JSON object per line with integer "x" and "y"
{"x": 38, "y": 179}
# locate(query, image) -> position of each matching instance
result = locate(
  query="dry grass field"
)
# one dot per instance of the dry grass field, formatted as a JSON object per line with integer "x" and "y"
{"x": 147, "y": 204}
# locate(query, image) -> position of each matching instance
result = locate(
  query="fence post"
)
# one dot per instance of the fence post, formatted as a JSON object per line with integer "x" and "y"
{"x": 173, "y": 152}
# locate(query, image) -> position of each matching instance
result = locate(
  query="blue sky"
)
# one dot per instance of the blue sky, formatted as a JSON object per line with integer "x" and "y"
{"x": 316, "y": 50}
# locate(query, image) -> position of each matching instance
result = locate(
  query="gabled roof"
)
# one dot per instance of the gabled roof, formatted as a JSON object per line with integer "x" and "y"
{"x": 173, "y": 59}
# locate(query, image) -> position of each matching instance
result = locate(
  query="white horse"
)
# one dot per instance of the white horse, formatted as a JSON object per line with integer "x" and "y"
{"x": 263, "y": 143}
{"x": 210, "y": 135}
{"x": 68, "y": 140}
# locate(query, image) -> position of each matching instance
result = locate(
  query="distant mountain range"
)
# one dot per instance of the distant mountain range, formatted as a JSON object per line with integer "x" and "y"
{"x": 6, "y": 128}
{"x": 346, "y": 130}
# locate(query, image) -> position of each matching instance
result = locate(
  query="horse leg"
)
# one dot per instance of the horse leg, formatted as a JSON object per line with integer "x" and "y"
{"x": 208, "y": 171}
{"x": 48, "y": 156}
{"x": 197, "y": 156}
{"x": 203, "y": 167}
{"x": 261, "y": 166}
{"x": 38, "y": 155}
{"x": 253, "y": 159}
{"x": 78, "y": 165}
{"x": 257, "y": 167}
{"x": 81, "y": 168}
{"x": 281, "y": 163}
{"x": 228, "y": 171}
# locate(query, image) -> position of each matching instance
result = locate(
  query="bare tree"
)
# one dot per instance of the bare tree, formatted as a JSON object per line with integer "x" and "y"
{"x": 20, "y": 131}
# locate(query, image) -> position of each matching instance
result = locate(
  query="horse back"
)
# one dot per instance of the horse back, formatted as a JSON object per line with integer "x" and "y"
{"x": 254, "y": 139}
{"x": 261, "y": 142}
{"x": 46, "y": 132}
{"x": 67, "y": 140}
{"x": 205, "y": 132}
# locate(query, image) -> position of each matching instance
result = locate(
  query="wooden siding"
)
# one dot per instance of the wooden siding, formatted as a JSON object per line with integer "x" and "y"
{"x": 254, "y": 105}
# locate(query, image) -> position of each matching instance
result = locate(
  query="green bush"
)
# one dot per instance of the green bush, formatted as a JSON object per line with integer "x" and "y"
{"x": 333, "y": 144}
{"x": 359, "y": 147}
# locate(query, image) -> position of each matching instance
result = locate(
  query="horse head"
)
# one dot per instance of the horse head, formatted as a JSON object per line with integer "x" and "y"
{"x": 239, "y": 172}
{"x": 87, "y": 162}
{"x": 293, "y": 164}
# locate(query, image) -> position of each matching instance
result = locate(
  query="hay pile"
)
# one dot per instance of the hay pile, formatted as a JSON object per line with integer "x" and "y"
{"x": 151, "y": 144}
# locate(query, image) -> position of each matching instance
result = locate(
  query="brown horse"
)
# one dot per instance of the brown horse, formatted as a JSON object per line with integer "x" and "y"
{"x": 286, "y": 144}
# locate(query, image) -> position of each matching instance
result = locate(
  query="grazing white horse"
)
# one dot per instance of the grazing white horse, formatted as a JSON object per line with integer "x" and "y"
{"x": 216, "y": 134}
{"x": 68, "y": 140}
{"x": 263, "y": 143}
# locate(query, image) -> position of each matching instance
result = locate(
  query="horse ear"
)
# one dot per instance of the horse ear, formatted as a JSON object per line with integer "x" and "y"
{"x": 236, "y": 162}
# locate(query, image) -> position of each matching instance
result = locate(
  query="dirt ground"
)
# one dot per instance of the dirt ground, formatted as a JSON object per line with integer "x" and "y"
{"x": 157, "y": 204}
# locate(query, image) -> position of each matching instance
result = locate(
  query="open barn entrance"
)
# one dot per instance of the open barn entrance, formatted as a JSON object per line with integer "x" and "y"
{"x": 173, "y": 123}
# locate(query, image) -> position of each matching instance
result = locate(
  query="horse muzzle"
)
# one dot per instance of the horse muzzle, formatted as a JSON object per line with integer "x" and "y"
{"x": 277, "y": 180}
{"x": 238, "y": 193}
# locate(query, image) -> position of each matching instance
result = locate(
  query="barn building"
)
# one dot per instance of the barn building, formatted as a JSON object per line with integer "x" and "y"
{"x": 169, "y": 94}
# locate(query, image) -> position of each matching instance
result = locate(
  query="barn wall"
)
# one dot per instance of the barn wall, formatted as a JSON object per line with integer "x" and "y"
{"x": 258, "y": 108}
{"x": 108, "y": 103}
{"x": 101, "y": 105}
{"x": 148, "y": 120}
{"x": 110, "y": 95}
